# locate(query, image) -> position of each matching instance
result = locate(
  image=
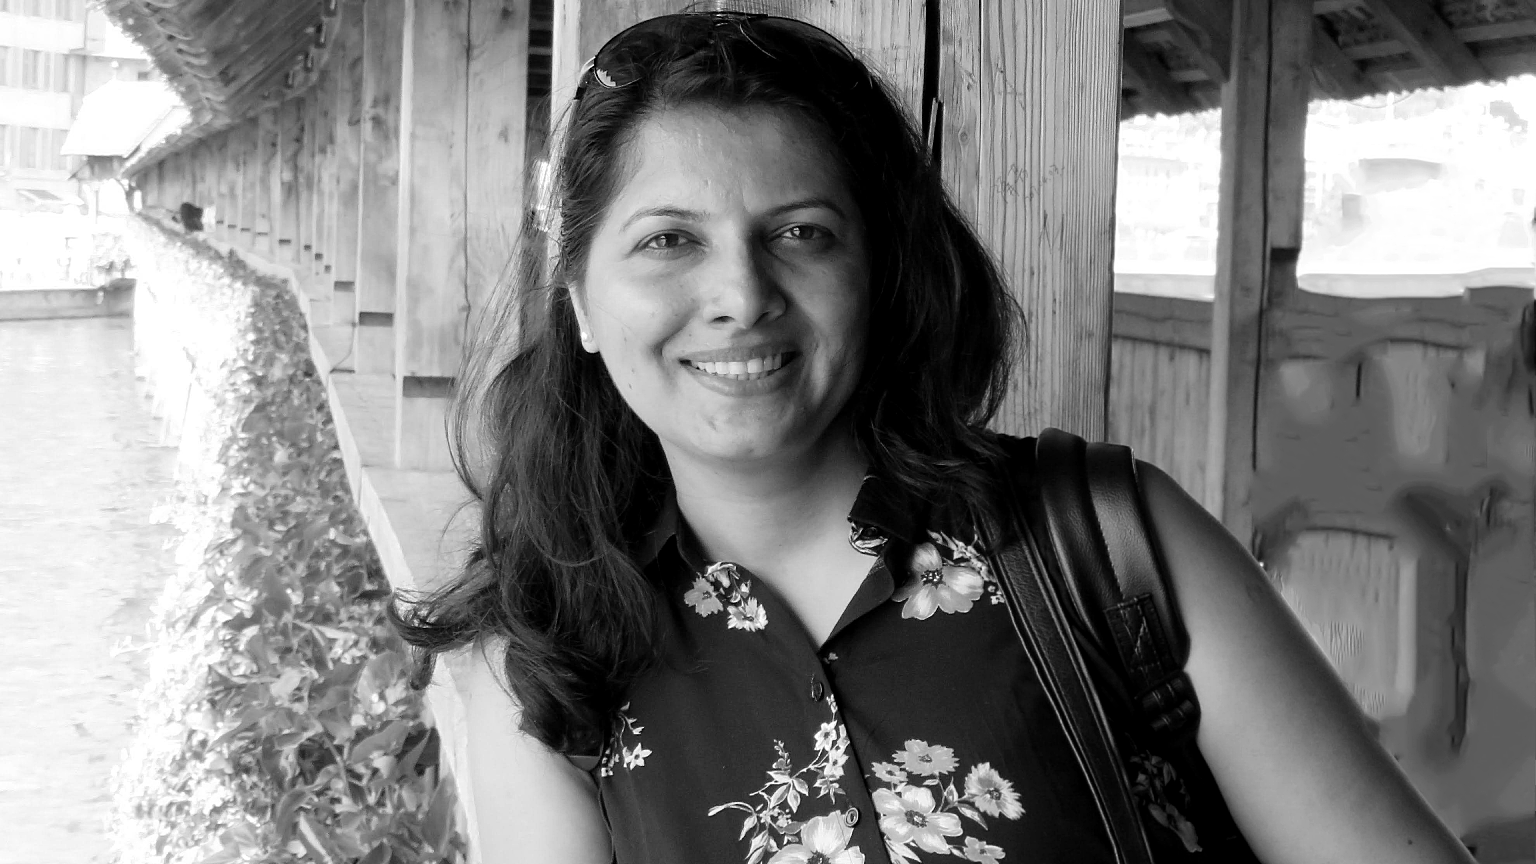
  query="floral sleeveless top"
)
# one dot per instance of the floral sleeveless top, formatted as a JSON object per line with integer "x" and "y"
{"x": 918, "y": 732}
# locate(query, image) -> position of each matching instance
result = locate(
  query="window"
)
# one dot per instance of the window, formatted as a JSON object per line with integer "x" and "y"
{"x": 5, "y": 146}
{"x": 29, "y": 69}
{"x": 5, "y": 65}
{"x": 61, "y": 77}
{"x": 56, "y": 160}
{"x": 33, "y": 8}
{"x": 70, "y": 10}
{"x": 26, "y": 150}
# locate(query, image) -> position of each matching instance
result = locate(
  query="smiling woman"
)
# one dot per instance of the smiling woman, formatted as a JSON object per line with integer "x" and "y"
{"x": 735, "y": 596}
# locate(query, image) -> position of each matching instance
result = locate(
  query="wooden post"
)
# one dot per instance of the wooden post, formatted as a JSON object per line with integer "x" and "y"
{"x": 325, "y": 185}
{"x": 216, "y": 186}
{"x": 431, "y": 300}
{"x": 266, "y": 176}
{"x": 378, "y": 186}
{"x": 291, "y": 134}
{"x": 349, "y": 141}
{"x": 247, "y": 157}
{"x": 1027, "y": 113}
{"x": 304, "y": 251}
{"x": 495, "y": 148}
{"x": 1263, "y": 124}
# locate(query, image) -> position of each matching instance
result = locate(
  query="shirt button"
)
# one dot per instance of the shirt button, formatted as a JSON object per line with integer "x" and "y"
{"x": 851, "y": 816}
{"x": 817, "y": 691}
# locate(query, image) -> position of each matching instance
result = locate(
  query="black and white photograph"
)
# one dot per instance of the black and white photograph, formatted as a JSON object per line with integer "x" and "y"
{"x": 767, "y": 431}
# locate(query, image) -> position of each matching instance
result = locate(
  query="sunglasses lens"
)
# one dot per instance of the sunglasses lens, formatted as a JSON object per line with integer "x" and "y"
{"x": 625, "y": 58}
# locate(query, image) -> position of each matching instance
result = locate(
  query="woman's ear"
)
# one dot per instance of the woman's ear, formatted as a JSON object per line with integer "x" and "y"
{"x": 583, "y": 321}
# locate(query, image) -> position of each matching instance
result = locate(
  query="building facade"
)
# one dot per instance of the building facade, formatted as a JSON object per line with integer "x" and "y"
{"x": 52, "y": 53}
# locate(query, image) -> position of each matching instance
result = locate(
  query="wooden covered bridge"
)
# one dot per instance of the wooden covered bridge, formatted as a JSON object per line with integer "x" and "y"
{"x": 1378, "y": 454}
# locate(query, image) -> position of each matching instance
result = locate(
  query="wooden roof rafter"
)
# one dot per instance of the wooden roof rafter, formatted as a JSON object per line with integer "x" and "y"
{"x": 1430, "y": 40}
{"x": 1360, "y": 47}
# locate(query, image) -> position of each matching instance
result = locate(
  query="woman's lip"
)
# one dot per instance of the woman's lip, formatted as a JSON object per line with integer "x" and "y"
{"x": 730, "y": 386}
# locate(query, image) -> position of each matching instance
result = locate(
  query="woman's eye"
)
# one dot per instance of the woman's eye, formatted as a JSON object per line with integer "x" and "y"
{"x": 663, "y": 241}
{"x": 805, "y": 232}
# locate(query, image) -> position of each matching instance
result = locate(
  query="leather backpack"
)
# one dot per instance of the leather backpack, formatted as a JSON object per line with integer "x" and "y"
{"x": 1092, "y": 606}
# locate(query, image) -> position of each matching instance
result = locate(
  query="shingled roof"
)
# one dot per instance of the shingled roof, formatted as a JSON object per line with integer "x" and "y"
{"x": 228, "y": 59}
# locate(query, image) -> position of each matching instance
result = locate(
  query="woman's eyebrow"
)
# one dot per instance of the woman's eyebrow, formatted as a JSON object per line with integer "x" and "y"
{"x": 671, "y": 212}
{"x": 686, "y": 215}
{"x": 808, "y": 204}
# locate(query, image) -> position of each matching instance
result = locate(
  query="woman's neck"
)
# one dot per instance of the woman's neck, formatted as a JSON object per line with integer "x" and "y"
{"x": 759, "y": 515}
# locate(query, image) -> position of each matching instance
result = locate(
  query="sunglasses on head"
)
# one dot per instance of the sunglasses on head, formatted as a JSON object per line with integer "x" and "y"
{"x": 626, "y": 57}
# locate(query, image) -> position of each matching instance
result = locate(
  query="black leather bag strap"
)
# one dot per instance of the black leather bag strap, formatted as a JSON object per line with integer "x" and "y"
{"x": 1094, "y": 512}
{"x": 1046, "y": 632}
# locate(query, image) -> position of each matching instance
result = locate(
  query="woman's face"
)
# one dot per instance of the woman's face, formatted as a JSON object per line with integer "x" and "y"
{"x": 727, "y": 285}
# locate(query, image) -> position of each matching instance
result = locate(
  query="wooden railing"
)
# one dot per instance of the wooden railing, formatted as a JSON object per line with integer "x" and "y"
{"x": 1392, "y": 502}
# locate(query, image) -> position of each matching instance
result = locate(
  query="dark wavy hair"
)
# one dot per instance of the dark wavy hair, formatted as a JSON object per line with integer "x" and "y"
{"x": 568, "y": 478}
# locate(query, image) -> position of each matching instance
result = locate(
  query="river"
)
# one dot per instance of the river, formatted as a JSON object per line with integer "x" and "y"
{"x": 81, "y": 564}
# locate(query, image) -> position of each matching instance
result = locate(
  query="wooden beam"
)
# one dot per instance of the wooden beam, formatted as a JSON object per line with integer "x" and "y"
{"x": 216, "y": 169}
{"x": 247, "y": 183}
{"x": 1204, "y": 28}
{"x": 1031, "y": 102}
{"x": 291, "y": 124}
{"x": 304, "y": 242}
{"x": 349, "y": 70}
{"x": 1149, "y": 78}
{"x": 266, "y": 189}
{"x": 373, "y": 348}
{"x": 431, "y": 299}
{"x": 1342, "y": 79}
{"x": 1264, "y": 112}
{"x": 1416, "y": 24}
{"x": 324, "y": 186}
{"x": 495, "y": 145}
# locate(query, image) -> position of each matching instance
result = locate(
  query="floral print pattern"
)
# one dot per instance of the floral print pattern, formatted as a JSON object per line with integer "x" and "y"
{"x": 723, "y": 587}
{"x": 615, "y": 753}
{"x": 823, "y": 840}
{"x": 772, "y": 821}
{"x": 1156, "y": 786}
{"x": 922, "y": 808}
{"x": 945, "y": 575}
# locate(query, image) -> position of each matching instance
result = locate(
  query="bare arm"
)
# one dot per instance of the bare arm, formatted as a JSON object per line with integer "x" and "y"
{"x": 1305, "y": 778}
{"x": 532, "y": 806}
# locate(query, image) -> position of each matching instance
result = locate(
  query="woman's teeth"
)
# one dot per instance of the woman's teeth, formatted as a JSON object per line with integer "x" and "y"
{"x": 743, "y": 370}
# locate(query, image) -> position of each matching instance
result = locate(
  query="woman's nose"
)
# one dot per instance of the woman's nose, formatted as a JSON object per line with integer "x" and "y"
{"x": 741, "y": 289}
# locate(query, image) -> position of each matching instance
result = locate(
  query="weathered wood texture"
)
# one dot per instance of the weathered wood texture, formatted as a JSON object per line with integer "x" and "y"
{"x": 247, "y": 157}
{"x": 1158, "y": 398}
{"x": 348, "y": 62}
{"x": 378, "y": 187}
{"x": 495, "y": 144}
{"x": 266, "y": 173}
{"x": 1259, "y": 227}
{"x": 325, "y": 185}
{"x": 291, "y": 124}
{"x": 218, "y": 155}
{"x": 431, "y": 292}
{"x": 304, "y": 239}
{"x": 1035, "y": 167}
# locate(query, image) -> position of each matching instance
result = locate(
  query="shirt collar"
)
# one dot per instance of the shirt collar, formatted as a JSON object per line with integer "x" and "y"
{"x": 881, "y": 505}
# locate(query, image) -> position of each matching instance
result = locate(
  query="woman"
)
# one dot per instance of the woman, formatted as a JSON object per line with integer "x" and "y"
{"x": 730, "y": 603}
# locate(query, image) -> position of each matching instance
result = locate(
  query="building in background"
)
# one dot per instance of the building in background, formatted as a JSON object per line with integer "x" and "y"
{"x": 53, "y": 53}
